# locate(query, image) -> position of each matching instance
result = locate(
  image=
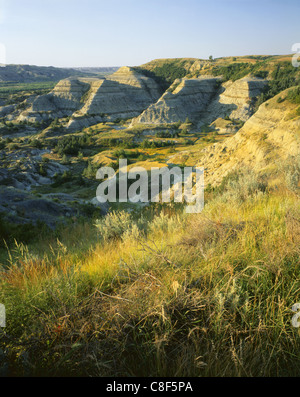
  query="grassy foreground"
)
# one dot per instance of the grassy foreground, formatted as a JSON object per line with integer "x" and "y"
{"x": 162, "y": 293}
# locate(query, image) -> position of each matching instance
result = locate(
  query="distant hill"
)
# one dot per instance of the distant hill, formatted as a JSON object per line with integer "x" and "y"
{"x": 166, "y": 71}
{"x": 33, "y": 74}
{"x": 98, "y": 70}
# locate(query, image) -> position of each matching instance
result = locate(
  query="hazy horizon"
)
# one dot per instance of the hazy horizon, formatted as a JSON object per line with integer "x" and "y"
{"x": 119, "y": 66}
{"x": 72, "y": 33}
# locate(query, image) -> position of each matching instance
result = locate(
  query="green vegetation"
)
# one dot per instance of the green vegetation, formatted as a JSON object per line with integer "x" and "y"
{"x": 165, "y": 74}
{"x": 235, "y": 71}
{"x": 122, "y": 154}
{"x": 153, "y": 291}
{"x": 262, "y": 74}
{"x": 118, "y": 143}
{"x": 146, "y": 144}
{"x": 11, "y": 88}
{"x": 164, "y": 134}
{"x": 23, "y": 233}
{"x": 90, "y": 171}
{"x": 17, "y": 92}
{"x": 294, "y": 95}
{"x": 36, "y": 144}
{"x": 162, "y": 293}
{"x": 283, "y": 77}
{"x": 72, "y": 144}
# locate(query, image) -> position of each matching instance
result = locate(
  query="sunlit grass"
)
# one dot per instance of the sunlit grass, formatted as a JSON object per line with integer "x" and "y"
{"x": 170, "y": 295}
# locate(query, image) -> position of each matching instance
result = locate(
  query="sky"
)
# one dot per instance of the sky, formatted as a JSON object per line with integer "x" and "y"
{"x": 95, "y": 33}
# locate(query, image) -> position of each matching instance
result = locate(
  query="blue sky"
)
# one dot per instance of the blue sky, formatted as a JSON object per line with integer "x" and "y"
{"x": 70, "y": 33}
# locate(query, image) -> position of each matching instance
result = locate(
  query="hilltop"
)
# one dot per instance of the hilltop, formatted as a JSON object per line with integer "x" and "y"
{"x": 166, "y": 71}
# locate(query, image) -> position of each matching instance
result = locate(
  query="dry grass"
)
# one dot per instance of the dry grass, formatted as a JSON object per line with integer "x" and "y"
{"x": 201, "y": 295}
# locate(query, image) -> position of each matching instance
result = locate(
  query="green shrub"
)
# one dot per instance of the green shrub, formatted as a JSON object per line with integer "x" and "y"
{"x": 232, "y": 72}
{"x": 72, "y": 144}
{"x": 36, "y": 144}
{"x": 90, "y": 171}
{"x": 114, "y": 225}
{"x": 294, "y": 95}
{"x": 164, "y": 223}
{"x": 263, "y": 74}
{"x": 284, "y": 77}
{"x": 280, "y": 99}
{"x": 291, "y": 169}
{"x": 239, "y": 186}
{"x": 166, "y": 74}
{"x": 23, "y": 233}
{"x": 42, "y": 169}
{"x": 60, "y": 179}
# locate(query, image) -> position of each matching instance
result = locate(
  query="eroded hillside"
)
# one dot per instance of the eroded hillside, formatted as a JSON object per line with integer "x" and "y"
{"x": 52, "y": 144}
{"x": 271, "y": 135}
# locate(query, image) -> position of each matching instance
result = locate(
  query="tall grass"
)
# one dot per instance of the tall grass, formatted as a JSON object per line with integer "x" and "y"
{"x": 170, "y": 294}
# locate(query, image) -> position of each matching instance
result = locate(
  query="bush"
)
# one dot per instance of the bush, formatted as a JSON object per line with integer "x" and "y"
{"x": 232, "y": 72}
{"x": 239, "y": 186}
{"x": 163, "y": 134}
{"x": 36, "y": 144}
{"x": 114, "y": 225}
{"x": 71, "y": 145}
{"x": 166, "y": 74}
{"x": 291, "y": 171}
{"x": 164, "y": 223}
{"x": 55, "y": 125}
{"x": 284, "y": 77}
{"x": 91, "y": 171}
{"x": 42, "y": 169}
{"x": 122, "y": 154}
{"x": 280, "y": 99}
{"x": 14, "y": 146}
{"x": 294, "y": 95}
{"x": 65, "y": 160}
{"x": 23, "y": 233}
{"x": 263, "y": 74}
{"x": 60, "y": 179}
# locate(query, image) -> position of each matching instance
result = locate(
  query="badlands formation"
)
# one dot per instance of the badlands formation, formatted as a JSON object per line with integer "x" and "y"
{"x": 201, "y": 117}
{"x": 268, "y": 137}
{"x": 129, "y": 94}
{"x": 125, "y": 94}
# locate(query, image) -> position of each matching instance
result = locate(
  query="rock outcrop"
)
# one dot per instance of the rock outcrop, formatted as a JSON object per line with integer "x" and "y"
{"x": 33, "y": 74}
{"x": 20, "y": 175}
{"x": 21, "y": 168}
{"x": 270, "y": 135}
{"x": 185, "y": 98}
{"x": 63, "y": 101}
{"x": 235, "y": 100}
{"x": 21, "y": 207}
{"x": 125, "y": 94}
{"x": 129, "y": 94}
{"x": 203, "y": 101}
{"x": 5, "y": 110}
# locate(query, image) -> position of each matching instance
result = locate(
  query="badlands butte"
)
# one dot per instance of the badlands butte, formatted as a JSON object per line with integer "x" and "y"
{"x": 223, "y": 114}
